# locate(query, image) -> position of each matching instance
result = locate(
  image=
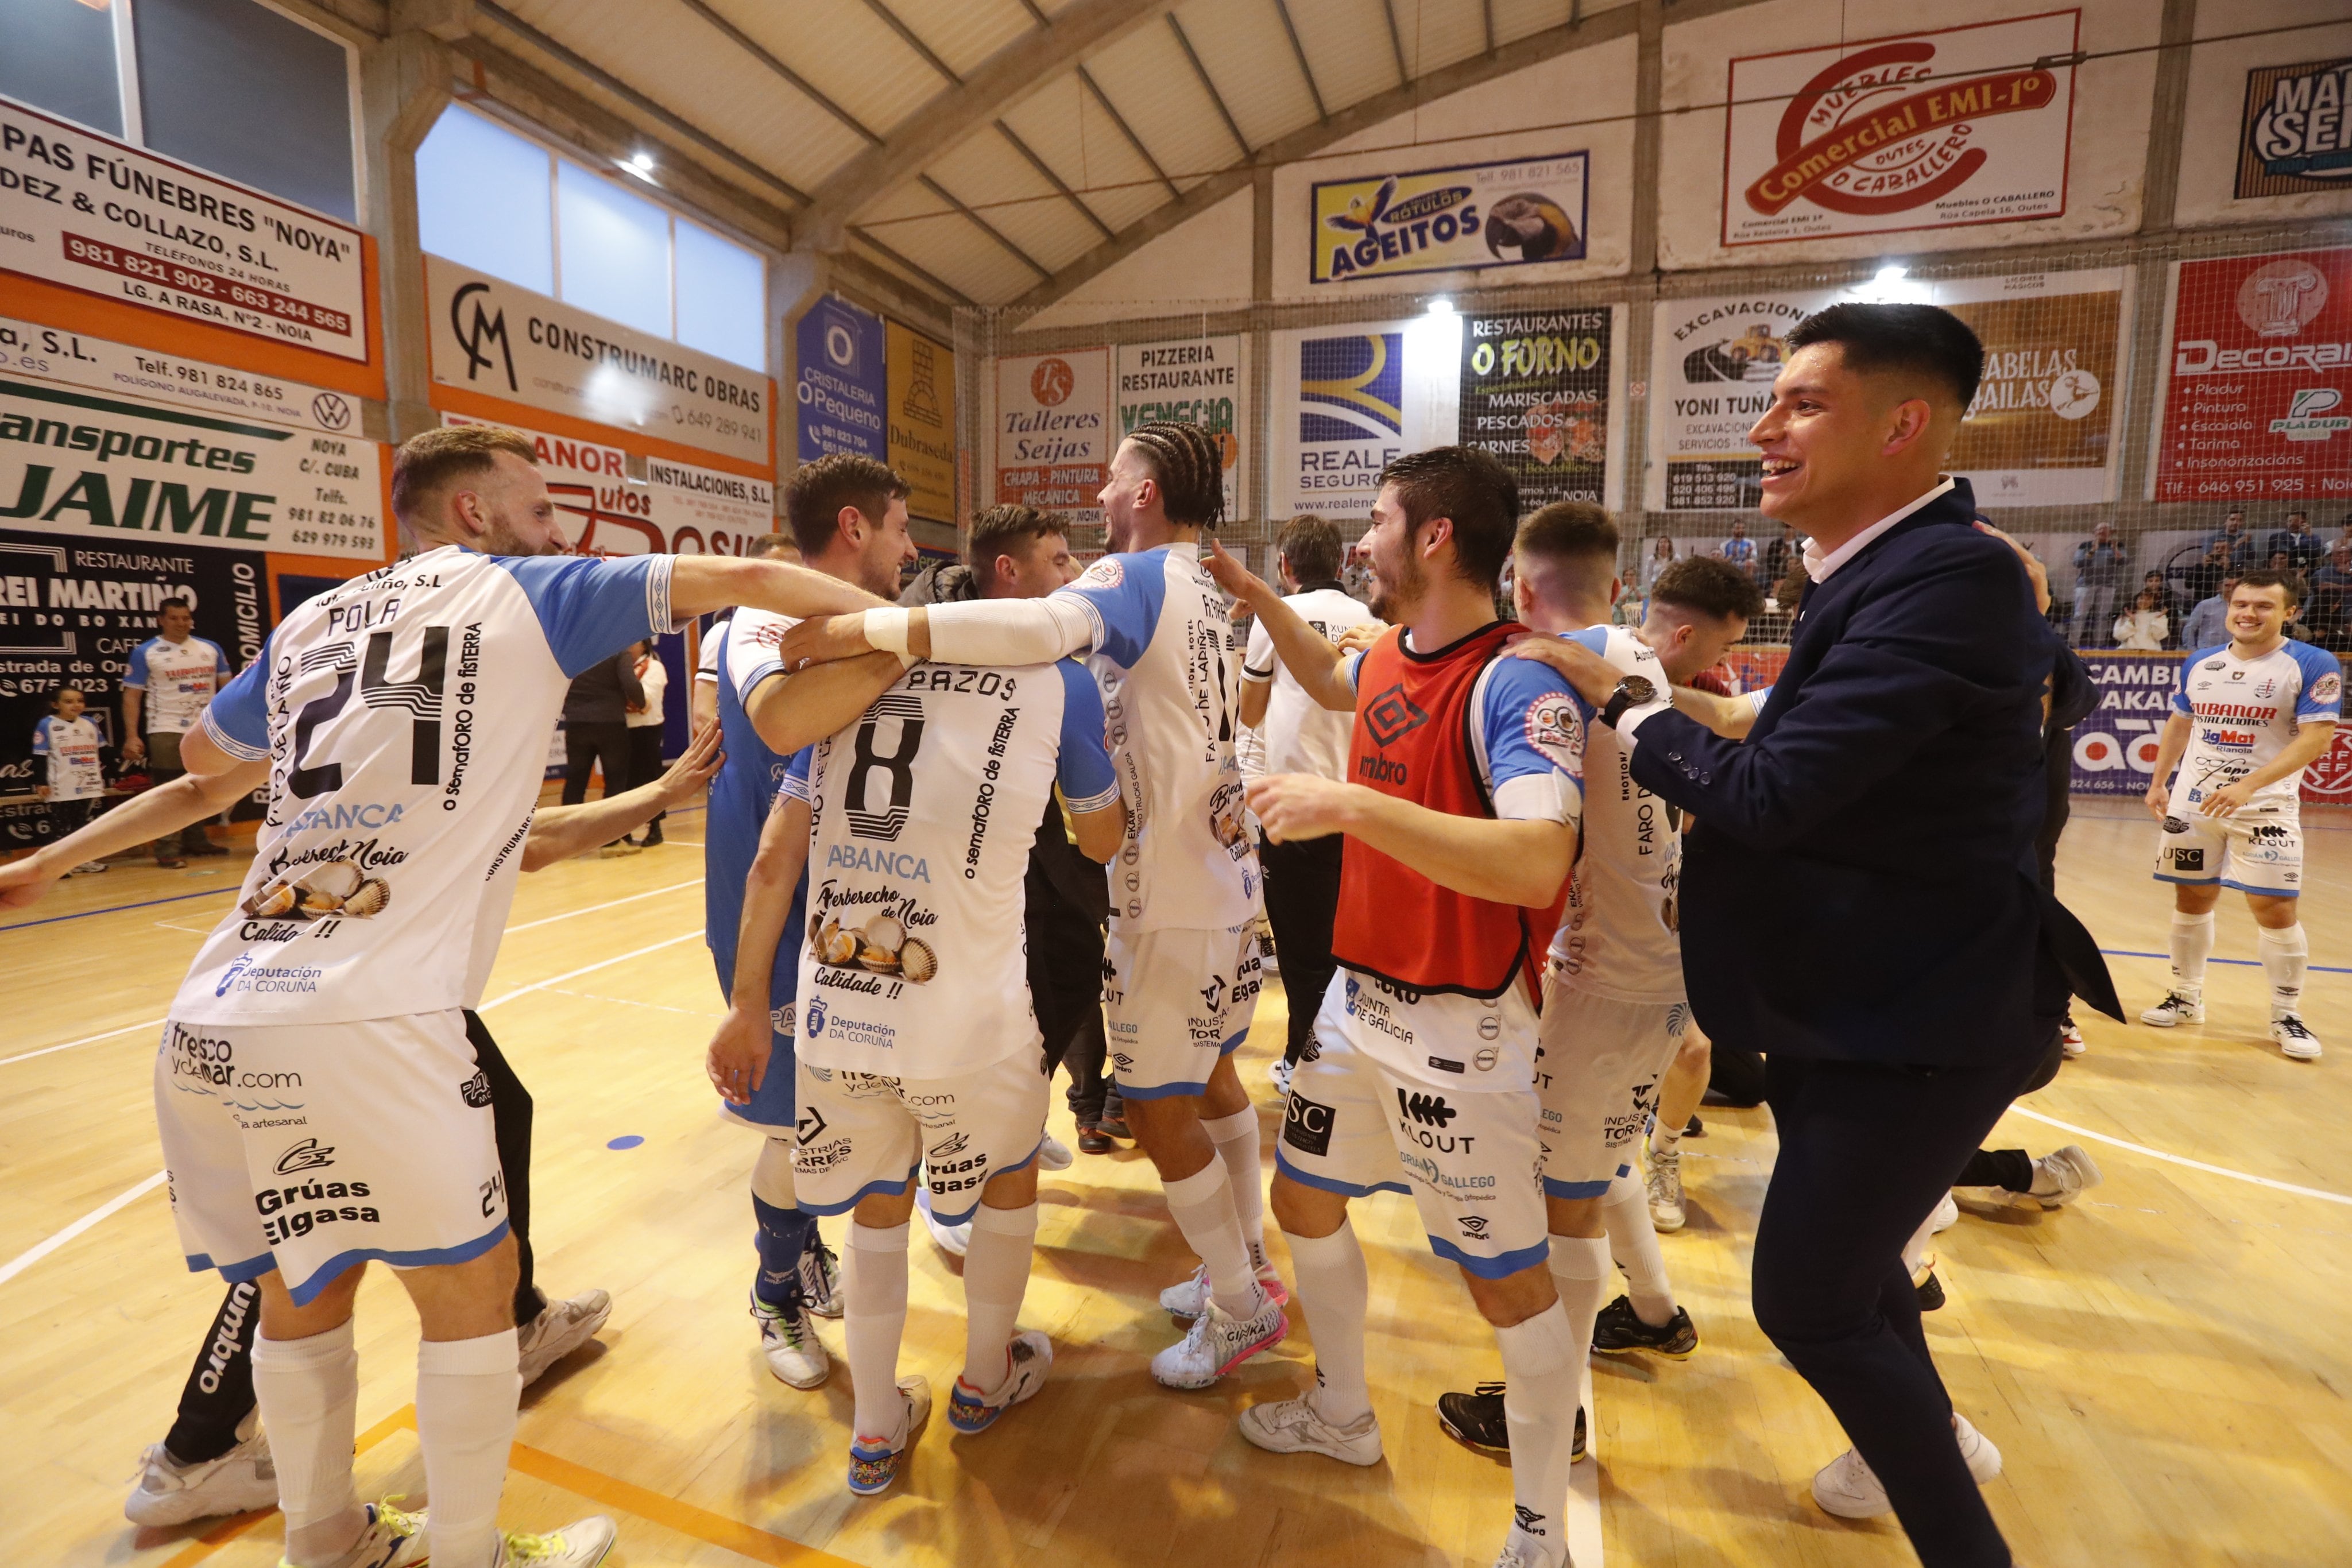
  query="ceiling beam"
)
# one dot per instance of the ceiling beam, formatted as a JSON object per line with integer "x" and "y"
{"x": 1008, "y": 77}
{"x": 906, "y": 35}
{"x": 1208, "y": 86}
{"x": 785, "y": 73}
{"x": 1046, "y": 172}
{"x": 1515, "y": 56}
{"x": 928, "y": 279}
{"x": 984, "y": 226}
{"x": 1282, "y": 7}
{"x": 1086, "y": 78}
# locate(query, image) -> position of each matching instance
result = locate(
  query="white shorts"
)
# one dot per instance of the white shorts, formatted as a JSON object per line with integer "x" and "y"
{"x": 309, "y": 1147}
{"x": 2253, "y": 850}
{"x": 862, "y": 1134}
{"x": 1175, "y": 1000}
{"x": 1468, "y": 1159}
{"x": 1598, "y": 1064}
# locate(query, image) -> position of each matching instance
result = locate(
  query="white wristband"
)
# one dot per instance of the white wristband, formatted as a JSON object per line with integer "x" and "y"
{"x": 887, "y": 630}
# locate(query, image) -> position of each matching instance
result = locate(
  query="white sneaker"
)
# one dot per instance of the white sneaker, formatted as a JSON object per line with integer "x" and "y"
{"x": 2295, "y": 1038}
{"x": 88, "y": 868}
{"x": 1187, "y": 1299}
{"x": 821, "y": 1280}
{"x": 2070, "y": 1038}
{"x": 1848, "y": 1488}
{"x": 1666, "y": 1184}
{"x": 1278, "y": 1073}
{"x": 391, "y": 1540}
{"x": 1946, "y": 1215}
{"x": 2178, "y": 1006}
{"x": 561, "y": 1328}
{"x": 582, "y": 1544}
{"x": 954, "y": 1240}
{"x": 1296, "y": 1426}
{"x": 1027, "y": 1360}
{"x": 789, "y": 1341}
{"x": 1053, "y": 1155}
{"x": 2068, "y": 1172}
{"x": 240, "y": 1481}
{"x": 1523, "y": 1549}
{"x": 1216, "y": 1343}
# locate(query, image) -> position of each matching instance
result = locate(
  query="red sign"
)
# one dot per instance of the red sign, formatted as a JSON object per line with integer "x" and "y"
{"x": 2258, "y": 403}
{"x": 1807, "y": 167}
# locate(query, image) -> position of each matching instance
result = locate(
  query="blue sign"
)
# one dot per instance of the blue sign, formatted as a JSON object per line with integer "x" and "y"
{"x": 2114, "y": 746}
{"x": 839, "y": 358}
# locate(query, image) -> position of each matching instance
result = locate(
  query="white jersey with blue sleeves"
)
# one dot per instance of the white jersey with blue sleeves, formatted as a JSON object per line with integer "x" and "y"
{"x": 2245, "y": 712}
{"x": 404, "y": 716}
{"x": 926, "y": 808}
{"x": 178, "y": 678}
{"x": 1619, "y": 936}
{"x": 70, "y": 753}
{"x": 1165, "y": 658}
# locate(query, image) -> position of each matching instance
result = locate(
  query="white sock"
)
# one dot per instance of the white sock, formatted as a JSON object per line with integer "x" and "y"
{"x": 1579, "y": 1268}
{"x": 467, "y": 1391}
{"x": 2192, "y": 944}
{"x": 874, "y": 1320}
{"x": 1335, "y": 1290}
{"x": 995, "y": 1278}
{"x": 772, "y": 1175}
{"x": 1202, "y": 1204}
{"x": 2285, "y": 954}
{"x": 1665, "y": 1140}
{"x": 1633, "y": 1245}
{"x": 308, "y": 1391}
{"x": 1542, "y": 1369}
{"x": 1236, "y": 1140}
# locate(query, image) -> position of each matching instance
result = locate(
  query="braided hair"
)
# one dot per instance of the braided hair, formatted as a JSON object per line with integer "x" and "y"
{"x": 1189, "y": 465}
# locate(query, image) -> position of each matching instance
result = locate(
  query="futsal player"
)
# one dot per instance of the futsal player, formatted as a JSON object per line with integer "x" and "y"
{"x": 1460, "y": 805}
{"x": 1614, "y": 1010}
{"x": 1182, "y": 947}
{"x": 215, "y": 1459}
{"x": 315, "y": 1090}
{"x": 2247, "y": 718}
{"x": 848, "y": 516}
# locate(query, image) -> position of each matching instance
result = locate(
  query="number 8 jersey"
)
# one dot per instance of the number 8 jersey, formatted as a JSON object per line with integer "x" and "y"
{"x": 912, "y": 957}
{"x": 405, "y": 715}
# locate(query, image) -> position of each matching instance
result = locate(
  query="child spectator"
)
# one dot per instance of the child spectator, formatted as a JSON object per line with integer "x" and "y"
{"x": 76, "y": 781}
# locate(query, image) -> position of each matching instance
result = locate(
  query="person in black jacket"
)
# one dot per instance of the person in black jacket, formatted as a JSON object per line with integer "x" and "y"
{"x": 596, "y": 729}
{"x": 1860, "y": 896}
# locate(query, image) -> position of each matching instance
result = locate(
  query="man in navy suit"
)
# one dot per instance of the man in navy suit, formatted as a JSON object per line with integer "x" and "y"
{"x": 1859, "y": 897}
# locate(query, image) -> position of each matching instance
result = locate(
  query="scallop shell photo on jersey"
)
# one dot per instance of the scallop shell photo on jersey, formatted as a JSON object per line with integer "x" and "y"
{"x": 838, "y": 947}
{"x": 918, "y": 962}
{"x": 271, "y": 901}
{"x": 887, "y": 934}
{"x": 368, "y": 899}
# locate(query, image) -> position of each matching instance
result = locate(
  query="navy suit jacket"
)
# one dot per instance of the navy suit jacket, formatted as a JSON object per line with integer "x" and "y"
{"x": 1861, "y": 881}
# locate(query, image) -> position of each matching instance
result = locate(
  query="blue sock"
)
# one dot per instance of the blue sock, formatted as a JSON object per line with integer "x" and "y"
{"x": 784, "y": 1234}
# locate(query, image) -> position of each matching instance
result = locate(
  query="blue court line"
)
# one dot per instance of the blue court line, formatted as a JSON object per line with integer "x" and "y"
{"x": 118, "y": 908}
{"x": 2249, "y": 962}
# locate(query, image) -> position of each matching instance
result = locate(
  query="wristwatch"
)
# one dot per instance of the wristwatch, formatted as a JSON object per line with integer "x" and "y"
{"x": 1632, "y": 692}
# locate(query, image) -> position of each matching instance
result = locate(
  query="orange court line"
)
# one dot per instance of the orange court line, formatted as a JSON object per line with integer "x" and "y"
{"x": 684, "y": 1518}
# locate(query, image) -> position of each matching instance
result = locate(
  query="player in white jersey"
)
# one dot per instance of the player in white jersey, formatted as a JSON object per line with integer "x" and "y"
{"x": 1615, "y": 1011}
{"x": 919, "y": 1044}
{"x": 317, "y": 1098}
{"x": 1182, "y": 947}
{"x": 2248, "y": 717}
{"x": 166, "y": 682}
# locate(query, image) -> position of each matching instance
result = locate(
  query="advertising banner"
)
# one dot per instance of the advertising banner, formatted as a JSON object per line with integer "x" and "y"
{"x": 2115, "y": 746}
{"x": 1349, "y": 401}
{"x": 70, "y": 613}
{"x": 490, "y": 336}
{"x": 676, "y": 509}
{"x": 2040, "y": 433}
{"x": 2296, "y": 135}
{"x": 1535, "y": 393}
{"x": 91, "y": 212}
{"x": 106, "y": 468}
{"x": 922, "y": 421}
{"x": 1053, "y": 431}
{"x": 838, "y": 379}
{"x": 2258, "y": 374}
{"x": 1195, "y": 381}
{"x": 1935, "y": 129}
{"x": 53, "y": 354}
{"x": 1469, "y": 215}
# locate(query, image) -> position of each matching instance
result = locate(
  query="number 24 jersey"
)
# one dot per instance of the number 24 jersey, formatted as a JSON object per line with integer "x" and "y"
{"x": 404, "y": 716}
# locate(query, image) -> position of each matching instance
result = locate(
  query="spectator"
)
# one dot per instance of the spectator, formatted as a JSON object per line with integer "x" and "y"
{"x": 2175, "y": 611}
{"x": 2099, "y": 567}
{"x": 2297, "y": 542}
{"x": 2330, "y": 603}
{"x": 2232, "y": 532}
{"x": 596, "y": 731}
{"x": 647, "y": 730}
{"x": 1739, "y": 549}
{"x": 1662, "y": 555}
{"x": 2144, "y": 627}
{"x": 1780, "y": 555}
{"x": 172, "y": 679}
{"x": 1302, "y": 875}
{"x": 2209, "y": 624}
{"x": 76, "y": 781}
{"x": 2203, "y": 579}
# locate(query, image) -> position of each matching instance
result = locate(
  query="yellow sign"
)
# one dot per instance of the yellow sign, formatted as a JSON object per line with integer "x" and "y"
{"x": 920, "y": 382}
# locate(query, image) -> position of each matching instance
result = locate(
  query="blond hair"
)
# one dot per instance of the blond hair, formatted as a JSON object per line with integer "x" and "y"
{"x": 426, "y": 463}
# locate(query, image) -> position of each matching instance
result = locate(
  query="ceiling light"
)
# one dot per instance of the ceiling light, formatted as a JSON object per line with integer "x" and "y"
{"x": 641, "y": 164}
{"x": 1441, "y": 305}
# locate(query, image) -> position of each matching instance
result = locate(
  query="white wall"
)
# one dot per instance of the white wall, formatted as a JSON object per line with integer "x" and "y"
{"x": 1202, "y": 262}
{"x": 2211, "y": 130}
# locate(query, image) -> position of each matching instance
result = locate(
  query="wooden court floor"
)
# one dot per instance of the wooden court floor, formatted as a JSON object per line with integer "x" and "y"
{"x": 2164, "y": 1364}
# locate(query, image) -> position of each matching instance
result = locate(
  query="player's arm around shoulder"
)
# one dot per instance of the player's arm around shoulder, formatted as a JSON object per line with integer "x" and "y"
{"x": 1085, "y": 775}
{"x": 1319, "y": 667}
{"x": 791, "y": 711}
